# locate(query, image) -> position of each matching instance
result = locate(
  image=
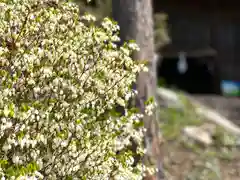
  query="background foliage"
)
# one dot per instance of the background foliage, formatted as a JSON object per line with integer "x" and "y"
{"x": 103, "y": 8}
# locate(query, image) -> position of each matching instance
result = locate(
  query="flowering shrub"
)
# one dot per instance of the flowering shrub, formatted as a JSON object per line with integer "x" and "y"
{"x": 60, "y": 81}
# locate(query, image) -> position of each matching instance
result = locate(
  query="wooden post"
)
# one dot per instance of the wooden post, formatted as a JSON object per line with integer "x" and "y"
{"x": 136, "y": 22}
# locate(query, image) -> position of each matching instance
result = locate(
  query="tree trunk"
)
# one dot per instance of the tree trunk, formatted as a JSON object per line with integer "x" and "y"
{"x": 136, "y": 22}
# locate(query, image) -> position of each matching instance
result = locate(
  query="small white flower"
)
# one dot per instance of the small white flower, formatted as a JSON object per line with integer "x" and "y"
{"x": 31, "y": 16}
{"x": 6, "y": 147}
{"x": 4, "y": 120}
{"x": 39, "y": 175}
{"x": 16, "y": 159}
{"x": 145, "y": 69}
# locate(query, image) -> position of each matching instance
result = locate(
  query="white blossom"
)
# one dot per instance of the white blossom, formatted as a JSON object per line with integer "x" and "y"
{"x": 58, "y": 93}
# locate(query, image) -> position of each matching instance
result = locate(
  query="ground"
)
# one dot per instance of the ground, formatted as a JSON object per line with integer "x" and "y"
{"x": 185, "y": 159}
{"x": 182, "y": 163}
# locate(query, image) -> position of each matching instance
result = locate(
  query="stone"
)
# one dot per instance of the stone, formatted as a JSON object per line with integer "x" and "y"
{"x": 199, "y": 135}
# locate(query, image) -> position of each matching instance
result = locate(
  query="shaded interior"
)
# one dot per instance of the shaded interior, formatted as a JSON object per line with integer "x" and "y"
{"x": 198, "y": 79}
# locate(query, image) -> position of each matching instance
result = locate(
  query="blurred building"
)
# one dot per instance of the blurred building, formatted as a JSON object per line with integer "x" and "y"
{"x": 209, "y": 34}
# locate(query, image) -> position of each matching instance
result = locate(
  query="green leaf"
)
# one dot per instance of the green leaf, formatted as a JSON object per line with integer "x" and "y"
{"x": 11, "y": 110}
{"x": 149, "y": 101}
{"x": 24, "y": 107}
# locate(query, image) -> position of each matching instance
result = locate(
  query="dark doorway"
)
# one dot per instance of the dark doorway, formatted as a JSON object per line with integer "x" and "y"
{"x": 198, "y": 79}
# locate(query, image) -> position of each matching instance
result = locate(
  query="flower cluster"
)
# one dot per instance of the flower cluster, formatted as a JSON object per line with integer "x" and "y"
{"x": 60, "y": 83}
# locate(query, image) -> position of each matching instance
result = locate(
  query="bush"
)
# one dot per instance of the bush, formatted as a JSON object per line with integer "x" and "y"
{"x": 61, "y": 80}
